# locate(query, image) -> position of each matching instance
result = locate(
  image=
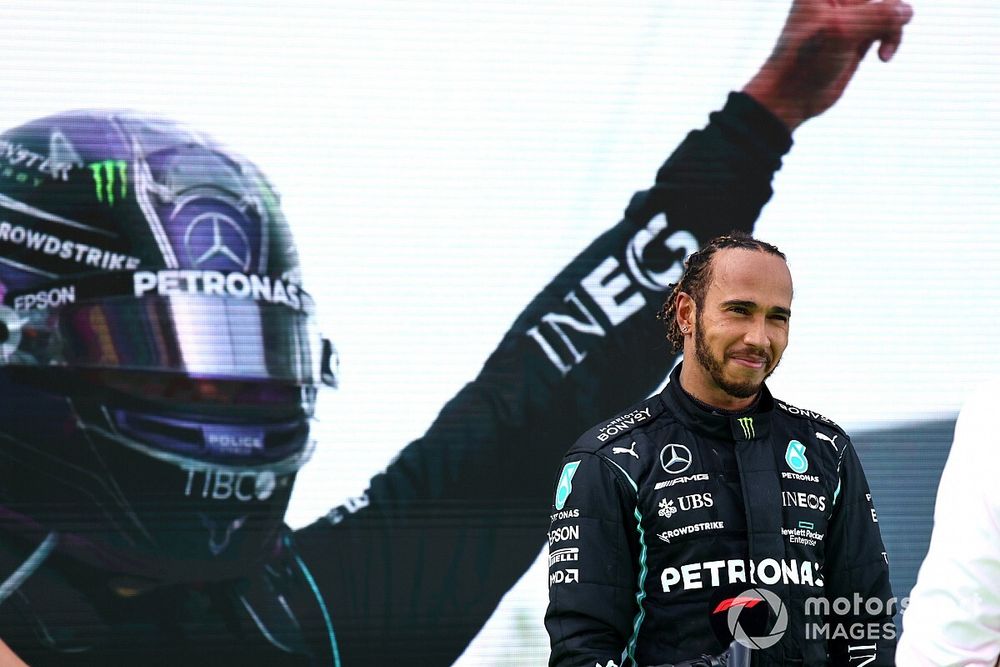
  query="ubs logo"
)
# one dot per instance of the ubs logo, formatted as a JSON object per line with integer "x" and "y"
{"x": 213, "y": 240}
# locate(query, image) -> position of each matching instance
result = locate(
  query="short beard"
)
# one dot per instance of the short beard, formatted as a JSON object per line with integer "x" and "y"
{"x": 715, "y": 369}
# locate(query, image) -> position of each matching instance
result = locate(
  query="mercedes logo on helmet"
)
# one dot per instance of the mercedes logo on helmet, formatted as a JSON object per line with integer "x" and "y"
{"x": 675, "y": 458}
{"x": 214, "y": 236}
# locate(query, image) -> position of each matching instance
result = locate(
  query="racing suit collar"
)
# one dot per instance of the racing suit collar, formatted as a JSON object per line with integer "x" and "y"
{"x": 755, "y": 426}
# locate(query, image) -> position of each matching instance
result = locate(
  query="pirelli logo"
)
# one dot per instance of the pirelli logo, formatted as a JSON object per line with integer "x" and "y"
{"x": 746, "y": 423}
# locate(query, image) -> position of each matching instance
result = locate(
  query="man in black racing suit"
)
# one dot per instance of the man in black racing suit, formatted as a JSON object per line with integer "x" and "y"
{"x": 676, "y": 518}
{"x": 701, "y": 507}
{"x": 409, "y": 573}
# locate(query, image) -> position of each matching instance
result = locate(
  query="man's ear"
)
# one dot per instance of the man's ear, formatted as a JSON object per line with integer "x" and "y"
{"x": 686, "y": 312}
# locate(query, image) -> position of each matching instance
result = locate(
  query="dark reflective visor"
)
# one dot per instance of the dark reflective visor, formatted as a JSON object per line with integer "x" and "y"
{"x": 191, "y": 334}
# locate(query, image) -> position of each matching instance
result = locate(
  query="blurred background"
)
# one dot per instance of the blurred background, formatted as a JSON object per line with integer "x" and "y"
{"x": 439, "y": 161}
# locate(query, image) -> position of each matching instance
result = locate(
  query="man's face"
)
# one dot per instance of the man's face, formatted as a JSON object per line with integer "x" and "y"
{"x": 741, "y": 328}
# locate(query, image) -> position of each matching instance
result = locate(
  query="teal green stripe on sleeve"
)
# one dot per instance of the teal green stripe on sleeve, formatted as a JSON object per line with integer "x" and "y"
{"x": 643, "y": 570}
{"x": 641, "y": 594}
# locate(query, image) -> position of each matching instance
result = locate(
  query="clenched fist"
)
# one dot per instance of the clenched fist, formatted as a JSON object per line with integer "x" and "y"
{"x": 819, "y": 50}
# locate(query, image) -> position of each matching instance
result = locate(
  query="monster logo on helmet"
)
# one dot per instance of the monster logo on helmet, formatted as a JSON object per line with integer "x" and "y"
{"x": 105, "y": 173}
{"x": 113, "y": 403}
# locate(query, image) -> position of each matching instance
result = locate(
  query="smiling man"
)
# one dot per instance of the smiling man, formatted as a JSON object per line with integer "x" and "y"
{"x": 741, "y": 332}
{"x": 733, "y": 515}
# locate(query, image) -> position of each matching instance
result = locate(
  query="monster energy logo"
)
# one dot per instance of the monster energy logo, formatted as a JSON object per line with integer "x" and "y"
{"x": 105, "y": 173}
{"x": 747, "y": 424}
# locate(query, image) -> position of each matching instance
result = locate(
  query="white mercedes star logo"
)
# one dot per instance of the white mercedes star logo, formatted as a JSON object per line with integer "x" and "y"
{"x": 675, "y": 458}
{"x": 219, "y": 246}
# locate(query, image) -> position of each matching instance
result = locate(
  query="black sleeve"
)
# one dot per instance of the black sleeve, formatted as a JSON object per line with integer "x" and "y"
{"x": 857, "y": 574}
{"x": 421, "y": 562}
{"x": 593, "y": 564}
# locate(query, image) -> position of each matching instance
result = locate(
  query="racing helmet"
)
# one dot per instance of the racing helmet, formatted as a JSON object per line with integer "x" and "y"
{"x": 159, "y": 360}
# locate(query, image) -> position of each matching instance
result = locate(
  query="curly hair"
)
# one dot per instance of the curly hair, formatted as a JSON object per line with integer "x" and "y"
{"x": 698, "y": 274}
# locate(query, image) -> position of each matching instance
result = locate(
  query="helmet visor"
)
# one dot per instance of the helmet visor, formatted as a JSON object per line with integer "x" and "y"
{"x": 195, "y": 334}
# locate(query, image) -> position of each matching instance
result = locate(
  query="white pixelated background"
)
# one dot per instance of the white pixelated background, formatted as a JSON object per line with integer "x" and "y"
{"x": 439, "y": 161}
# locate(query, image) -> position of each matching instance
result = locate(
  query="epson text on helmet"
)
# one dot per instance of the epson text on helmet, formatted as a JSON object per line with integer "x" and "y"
{"x": 50, "y": 298}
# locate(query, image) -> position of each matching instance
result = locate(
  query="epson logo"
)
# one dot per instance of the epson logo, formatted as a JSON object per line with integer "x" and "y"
{"x": 564, "y": 533}
{"x": 616, "y": 290}
{"x": 768, "y": 571}
{"x": 700, "y": 477}
{"x": 172, "y": 282}
{"x": 52, "y": 298}
{"x": 804, "y": 500}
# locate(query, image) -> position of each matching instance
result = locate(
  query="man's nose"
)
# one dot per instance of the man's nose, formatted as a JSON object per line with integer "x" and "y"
{"x": 756, "y": 333}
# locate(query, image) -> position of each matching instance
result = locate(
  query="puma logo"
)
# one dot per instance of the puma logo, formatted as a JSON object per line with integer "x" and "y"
{"x": 621, "y": 450}
{"x": 832, "y": 440}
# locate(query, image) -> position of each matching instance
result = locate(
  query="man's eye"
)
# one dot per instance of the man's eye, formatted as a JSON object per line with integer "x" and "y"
{"x": 779, "y": 317}
{"x": 739, "y": 310}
